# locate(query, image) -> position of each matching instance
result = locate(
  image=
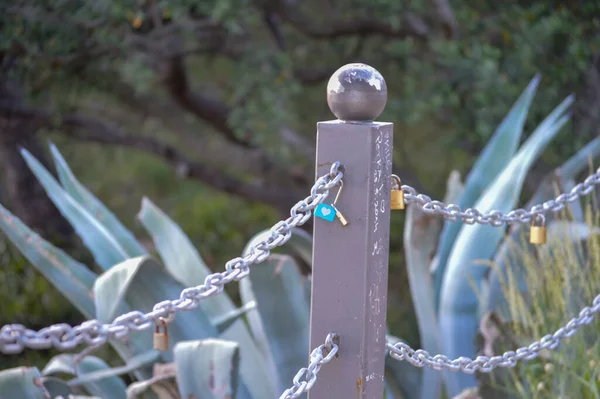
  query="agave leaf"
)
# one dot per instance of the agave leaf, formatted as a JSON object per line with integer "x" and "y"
{"x": 141, "y": 282}
{"x": 579, "y": 161}
{"x": 454, "y": 187}
{"x": 184, "y": 262}
{"x": 110, "y": 386}
{"x": 420, "y": 238}
{"x": 225, "y": 321}
{"x": 494, "y": 158}
{"x": 180, "y": 257}
{"x": 207, "y": 369}
{"x": 162, "y": 383}
{"x": 454, "y": 190}
{"x": 277, "y": 287}
{"x": 494, "y": 300}
{"x": 57, "y": 387}
{"x": 300, "y": 243}
{"x": 106, "y": 249}
{"x": 73, "y": 279}
{"x": 110, "y": 290}
{"x": 94, "y": 206}
{"x": 254, "y": 370}
{"x": 574, "y": 166}
{"x": 459, "y": 303}
{"x": 403, "y": 381}
{"x": 60, "y": 364}
{"x": 22, "y": 383}
{"x": 140, "y": 361}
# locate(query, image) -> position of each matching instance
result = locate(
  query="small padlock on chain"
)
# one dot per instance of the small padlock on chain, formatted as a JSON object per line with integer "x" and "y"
{"x": 396, "y": 194}
{"x": 330, "y": 212}
{"x": 537, "y": 233}
{"x": 161, "y": 338}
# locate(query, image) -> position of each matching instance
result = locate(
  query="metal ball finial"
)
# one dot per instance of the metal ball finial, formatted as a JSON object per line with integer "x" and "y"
{"x": 356, "y": 92}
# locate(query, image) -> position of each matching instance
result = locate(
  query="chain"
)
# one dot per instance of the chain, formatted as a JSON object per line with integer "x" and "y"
{"x": 453, "y": 213}
{"x": 318, "y": 357}
{"x": 485, "y": 364}
{"x": 15, "y": 337}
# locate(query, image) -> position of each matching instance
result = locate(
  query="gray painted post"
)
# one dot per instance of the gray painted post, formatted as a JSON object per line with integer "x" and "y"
{"x": 350, "y": 264}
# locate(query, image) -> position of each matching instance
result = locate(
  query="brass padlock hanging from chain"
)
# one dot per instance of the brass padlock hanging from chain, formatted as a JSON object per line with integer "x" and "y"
{"x": 537, "y": 233}
{"x": 161, "y": 338}
{"x": 397, "y": 195}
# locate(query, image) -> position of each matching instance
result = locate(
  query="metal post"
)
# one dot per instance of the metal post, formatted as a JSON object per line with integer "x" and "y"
{"x": 350, "y": 263}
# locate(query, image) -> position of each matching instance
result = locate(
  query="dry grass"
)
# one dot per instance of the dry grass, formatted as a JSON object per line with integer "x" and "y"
{"x": 560, "y": 278}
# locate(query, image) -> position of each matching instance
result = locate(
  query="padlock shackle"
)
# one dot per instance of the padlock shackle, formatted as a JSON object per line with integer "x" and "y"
{"x": 540, "y": 218}
{"x": 162, "y": 322}
{"x": 337, "y": 196}
{"x": 397, "y": 181}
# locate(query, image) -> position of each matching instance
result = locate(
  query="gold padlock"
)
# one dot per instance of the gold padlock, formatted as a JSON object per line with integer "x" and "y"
{"x": 161, "y": 339}
{"x": 338, "y": 214}
{"x": 537, "y": 234}
{"x": 397, "y": 195}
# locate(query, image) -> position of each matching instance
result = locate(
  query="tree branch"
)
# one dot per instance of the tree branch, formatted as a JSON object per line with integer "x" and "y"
{"x": 88, "y": 129}
{"x": 413, "y": 25}
{"x": 446, "y": 18}
{"x": 211, "y": 110}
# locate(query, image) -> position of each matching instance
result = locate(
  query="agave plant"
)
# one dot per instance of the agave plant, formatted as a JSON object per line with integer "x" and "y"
{"x": 214, "y": 353}
{"x": 454, "y": 288}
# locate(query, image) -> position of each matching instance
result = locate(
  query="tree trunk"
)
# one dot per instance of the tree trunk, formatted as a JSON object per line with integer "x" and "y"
{"x": 27, "y": 199}
{"x": 586, "y": 112}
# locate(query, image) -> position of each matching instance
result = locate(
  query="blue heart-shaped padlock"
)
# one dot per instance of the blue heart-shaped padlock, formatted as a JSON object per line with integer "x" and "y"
{"x": 326, "y": 212}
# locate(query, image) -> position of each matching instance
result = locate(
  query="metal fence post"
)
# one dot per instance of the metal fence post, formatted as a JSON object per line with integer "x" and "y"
{"x": 350, "y": 263}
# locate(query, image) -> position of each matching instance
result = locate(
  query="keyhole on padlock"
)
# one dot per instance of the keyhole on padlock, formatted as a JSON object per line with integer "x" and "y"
{"x": 396, "y": 194}
{"x": 537, "y": 233}
{"x": 339, "y": 214}
{"x": 161, "y": 338}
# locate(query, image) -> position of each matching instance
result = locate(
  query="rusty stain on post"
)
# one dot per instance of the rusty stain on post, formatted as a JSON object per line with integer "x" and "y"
{"x": 350, "y": 263}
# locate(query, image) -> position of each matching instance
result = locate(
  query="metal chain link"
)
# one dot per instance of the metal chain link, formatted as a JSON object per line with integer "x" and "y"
{"x": 453, "y": 212}
{"x": 485, "y": 364}
{"x": 15, "y": 337}
{"x": 307, "y": 376}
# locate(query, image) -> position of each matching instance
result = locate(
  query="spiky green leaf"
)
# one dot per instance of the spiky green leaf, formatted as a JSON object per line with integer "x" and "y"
{"x": 110, "y": 386}
{"x": 95, "y": 207}
{"x": 184, "y": 262}
{"x": 403, "y": 381}
{"x": 179, "y": 255}
{"x": 142, "y": 282}
{"x": 228, "y": 319}
{"x": 22, "y": 383}
{"x": 420, "y": 239}
{"x": 57, "y": 387}
{"x": 300, "y": 243}
{"x": 494, "y": 158}
{"x": 106, "y": 249}
{"x": 207, "y": 369}
{"x": 277, "y": 287}
{"x": 73, "y": 279}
